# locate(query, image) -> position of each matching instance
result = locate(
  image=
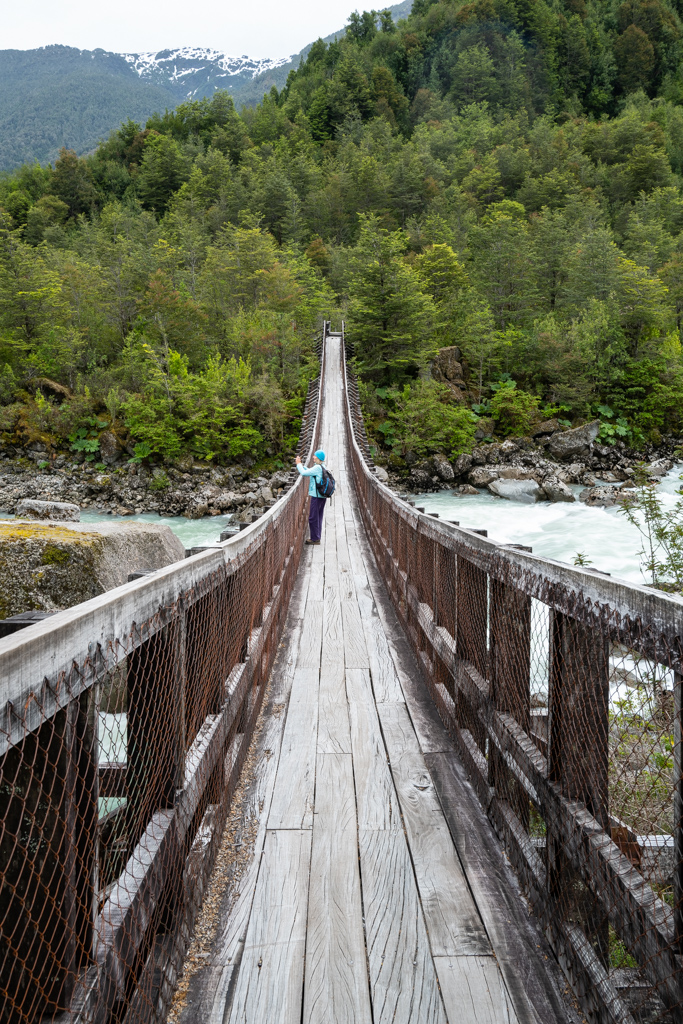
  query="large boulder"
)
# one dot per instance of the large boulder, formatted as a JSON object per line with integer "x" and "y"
{"x": 50, "y": 566}
{"x": 556, "y": 490}
{"x": 516, "y": 473}
{"x": 570, "y": 444}
{"x": 601, "y": 497}
{"x": 526, "y": 491}
{"x": 58, "y": 511}
{"x": 462, "y": 464}
{"x": 658, "y": 468}
{"x": 420, "y": 478}
{"x": 381, "y": 474}
{"x": 443, "y": 468}
{"x": 481, "y": 476}
{"x": 448, "y": 365}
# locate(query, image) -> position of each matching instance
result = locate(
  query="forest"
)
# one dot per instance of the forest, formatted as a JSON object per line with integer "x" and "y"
{"x": 501, "y": 179}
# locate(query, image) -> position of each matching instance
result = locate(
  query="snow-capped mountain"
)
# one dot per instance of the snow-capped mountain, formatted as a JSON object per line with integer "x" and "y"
{"x": 199, "y": 69}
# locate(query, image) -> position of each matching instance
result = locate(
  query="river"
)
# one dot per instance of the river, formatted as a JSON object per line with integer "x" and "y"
{"x": 556, "y": 530}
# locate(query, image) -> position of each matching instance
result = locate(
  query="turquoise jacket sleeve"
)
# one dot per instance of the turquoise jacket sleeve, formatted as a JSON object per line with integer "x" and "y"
{"x": 315, "y": 473}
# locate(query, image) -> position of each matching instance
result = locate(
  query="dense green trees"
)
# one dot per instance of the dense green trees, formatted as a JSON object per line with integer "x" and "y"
{"x": 501, "y": 178}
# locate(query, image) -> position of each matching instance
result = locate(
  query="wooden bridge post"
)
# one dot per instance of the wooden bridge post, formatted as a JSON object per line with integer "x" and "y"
{"x": 156, "y": 724}
{"x": 578, "y": 757}
{"x": 471, "y": 643}
{"x": 678, "y": 809}
{"x": 510, "y": 682}
{"x": 48, "y": 861}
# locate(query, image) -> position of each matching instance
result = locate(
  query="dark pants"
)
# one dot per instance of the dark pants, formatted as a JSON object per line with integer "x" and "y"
{"x": 315, "y": 517}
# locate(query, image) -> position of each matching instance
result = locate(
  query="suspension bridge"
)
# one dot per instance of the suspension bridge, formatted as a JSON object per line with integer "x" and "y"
{"x": 440, "y": 808}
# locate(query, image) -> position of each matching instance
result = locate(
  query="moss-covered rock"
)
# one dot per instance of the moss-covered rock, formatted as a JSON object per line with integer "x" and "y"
{"x": 50, "y": 566}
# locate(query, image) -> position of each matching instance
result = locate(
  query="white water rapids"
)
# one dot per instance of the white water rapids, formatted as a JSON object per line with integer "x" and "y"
{"x": 556, "y": 530}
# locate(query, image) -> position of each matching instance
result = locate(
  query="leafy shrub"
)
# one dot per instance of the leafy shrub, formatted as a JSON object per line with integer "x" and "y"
{"x": 514, "y": 411}
{"x": 424, "y": 419}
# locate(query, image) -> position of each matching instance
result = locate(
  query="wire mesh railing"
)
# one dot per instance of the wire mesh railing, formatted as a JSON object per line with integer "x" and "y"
{"x": 124, "y": 725}
{"x": 561, "y": 688}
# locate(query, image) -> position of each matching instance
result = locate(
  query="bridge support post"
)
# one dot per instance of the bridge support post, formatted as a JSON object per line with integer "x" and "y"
{"x": 578, "y": 759}
{"x": 156, "y": 725}
{"x": 48, "y": 861}
{"x": 510, "y": 682}
{"x": 471, "y": 637}
{"x": 678, "y": 809}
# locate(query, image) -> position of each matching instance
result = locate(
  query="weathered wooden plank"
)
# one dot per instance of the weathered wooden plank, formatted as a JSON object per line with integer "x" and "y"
{"x": 332, "y": 630}
{"x": 375, "y": 795}
{"x": 453, "y": 920}
{"x": 385, "y": 681}
{"x": 209, "y": 992}
{"x": 534, "y": 984}
{"x": 270, "y": 980}
{"x": 310, "y": 642}
{"x": 355, "y": 650}
{"x": 429, "y": 728}
{"x": 334, "y": 735}
{"x": 335, "y": 801}
{"x": 403, "y": 980}
{"x": 292, "y": 805}
{"x": 304, "y": 686}
{"x": 283, "y": 670}
{"x": 473, "y": 990}
{"x": 336, "y": 980}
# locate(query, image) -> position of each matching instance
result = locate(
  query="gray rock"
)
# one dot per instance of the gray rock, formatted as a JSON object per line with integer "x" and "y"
{"x": 110, "y": 449}
{"x": 443, "y": 468}
{"x": 481, "y": 476}
{"x": 448, "y": 364}
{"x": 508, "y": 448}
{"x": 462, "y": 464}
{"x": 266, "y": 495}
{"x": 556, "y": 490}
{"x": 546, "y": 428}
{"x": 525, "y": 491}
{"x": 381, "y": 474}
{"x": 279, "y": 479}
{"x": 659, "y": 468}
{"x": 196, "y": 511}
{"x": 57, "y": 511}
{"x": 466, "y": 489}
{"x": 420, "y": 477}
{"x": 569, "y": 444}
{"x": 600, "y": 497}
{"x": 479, "y": 456}
{"x": 516, "y": 473}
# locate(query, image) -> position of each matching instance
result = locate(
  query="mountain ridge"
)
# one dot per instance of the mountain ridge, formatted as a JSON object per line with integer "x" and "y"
{"x": 57, "y": 95}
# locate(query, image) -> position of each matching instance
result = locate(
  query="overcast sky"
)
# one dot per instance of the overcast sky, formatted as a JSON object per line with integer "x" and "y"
{"x": 266, "y": 28}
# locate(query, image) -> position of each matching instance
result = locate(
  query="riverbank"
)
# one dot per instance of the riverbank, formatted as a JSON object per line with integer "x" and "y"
{"x": 133, "y": 489}
{"x": 547, "y": 466}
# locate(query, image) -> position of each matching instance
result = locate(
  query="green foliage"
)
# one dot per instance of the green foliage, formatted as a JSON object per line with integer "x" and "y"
{"x": 661, "y": 530}
{"x": 423, "y": 419}
{"x": 515, "y": 411}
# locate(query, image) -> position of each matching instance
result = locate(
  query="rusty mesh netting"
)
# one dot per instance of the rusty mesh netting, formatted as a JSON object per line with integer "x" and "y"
{"x": 562, "y": 691}
{"x": 123, "y": 731}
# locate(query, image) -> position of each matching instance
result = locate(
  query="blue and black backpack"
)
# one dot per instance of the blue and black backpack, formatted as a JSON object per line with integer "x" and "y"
{"x": 326, "y": 486}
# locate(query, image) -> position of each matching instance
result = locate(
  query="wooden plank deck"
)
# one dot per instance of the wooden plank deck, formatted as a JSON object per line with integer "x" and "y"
{"x": 357, "y": 904}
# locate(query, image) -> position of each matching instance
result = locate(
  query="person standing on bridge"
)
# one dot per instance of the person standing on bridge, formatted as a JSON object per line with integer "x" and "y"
{"x": 315, "y": 515}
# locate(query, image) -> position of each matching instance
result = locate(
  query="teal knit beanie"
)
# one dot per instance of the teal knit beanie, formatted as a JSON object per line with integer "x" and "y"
{"x": 320, "y": 454}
